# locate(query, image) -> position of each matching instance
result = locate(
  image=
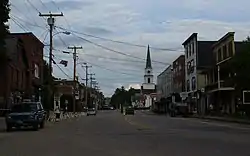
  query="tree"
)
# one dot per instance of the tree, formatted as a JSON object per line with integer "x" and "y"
{"x": 4, "y": 30}
{"x": 240, "y": 64}
{"x": 122, "y": 96}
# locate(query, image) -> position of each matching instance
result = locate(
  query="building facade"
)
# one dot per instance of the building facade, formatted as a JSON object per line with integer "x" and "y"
{"x": 220, "y": 89}
{"x": 179, "y": 75}
{"x": 13, "y": 77}
{"x": 34, "y": 53}
{"x": 198, "y": 57}
{"x": 22, "y": 75}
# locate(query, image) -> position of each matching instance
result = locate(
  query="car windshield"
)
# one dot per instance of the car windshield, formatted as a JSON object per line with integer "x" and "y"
{"x": 27, "y": 107}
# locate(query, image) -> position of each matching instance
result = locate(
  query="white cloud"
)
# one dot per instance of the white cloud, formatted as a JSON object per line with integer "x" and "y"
{"x": 161, "y": 23}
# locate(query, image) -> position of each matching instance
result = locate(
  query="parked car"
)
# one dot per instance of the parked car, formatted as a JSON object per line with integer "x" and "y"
{"x": 26, "y": 114}
{"x": 91, "y": 111}
{"x": 129, "y": 110}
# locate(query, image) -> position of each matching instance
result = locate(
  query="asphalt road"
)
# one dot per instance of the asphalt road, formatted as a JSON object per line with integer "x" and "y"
{"x": 112, "y": 134}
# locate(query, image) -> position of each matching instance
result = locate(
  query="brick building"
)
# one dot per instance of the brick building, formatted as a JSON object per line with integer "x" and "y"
{"x": 22, "y": 75}
{"x": 179, "y": 74}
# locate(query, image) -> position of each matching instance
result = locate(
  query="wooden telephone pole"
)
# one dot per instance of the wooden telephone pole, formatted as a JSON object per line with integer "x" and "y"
{"x": 74, "y": 75}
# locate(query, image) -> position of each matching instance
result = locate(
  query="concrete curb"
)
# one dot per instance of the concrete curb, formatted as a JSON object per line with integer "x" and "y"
{"x": 247, "y": 122}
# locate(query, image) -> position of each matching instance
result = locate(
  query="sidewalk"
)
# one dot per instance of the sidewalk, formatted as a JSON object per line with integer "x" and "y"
{"x": 224, "y": 119}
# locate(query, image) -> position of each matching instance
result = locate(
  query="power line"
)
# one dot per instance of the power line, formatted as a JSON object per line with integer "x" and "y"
{"x": 36, "y": 10}
{"x": 61, "y": 11}
{"x": 64, "y": 43}
{"x": 63, "y": 71}
{"x": 115, "y": 51}
{"x": 44, "y": 4}
{"x": 120, "y": 42}
{"x": 112, "y": 70}
{"x": 19, "y": 24}
{"x": 11, "y": 4}
{"x": 29, "y": 23}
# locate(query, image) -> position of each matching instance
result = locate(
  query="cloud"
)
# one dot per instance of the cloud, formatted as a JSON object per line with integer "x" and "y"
{"x": 161, "y": 23}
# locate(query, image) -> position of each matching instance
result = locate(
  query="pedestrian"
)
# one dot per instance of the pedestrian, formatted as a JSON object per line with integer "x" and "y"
{"x": 57, "y": 111}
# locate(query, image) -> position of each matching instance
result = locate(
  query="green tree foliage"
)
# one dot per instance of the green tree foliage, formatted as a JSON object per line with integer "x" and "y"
{"x": 122, "y": 96}
{"x": 4, "y": 29}
{"x": 240, "y": 64}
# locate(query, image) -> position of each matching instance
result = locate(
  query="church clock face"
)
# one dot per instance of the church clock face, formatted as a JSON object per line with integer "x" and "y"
{"x": 148, "y": 71}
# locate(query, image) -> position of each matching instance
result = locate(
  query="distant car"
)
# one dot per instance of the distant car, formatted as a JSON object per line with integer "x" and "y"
{"x": 91, "y": 111}
{"x": 85, "y": 109}
{"x": 129, "y": 110}
{"x": 26, "y": 114}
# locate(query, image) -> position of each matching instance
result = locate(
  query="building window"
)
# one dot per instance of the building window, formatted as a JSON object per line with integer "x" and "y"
{"x": 219, "y": 55}
{"x": 230, "y": 49}
{"x": 186, "y": 51}
{"x": 193, "y": 47}
{"x": 188, "y": 86}
{"x": 224, "y": 52}
{"x": 17, "y": 78}
{"x": 189, "y": 49}
{"x": 37, "y": 71}
{"x": 148, "y": 80}
{"x": 193, "y": 83}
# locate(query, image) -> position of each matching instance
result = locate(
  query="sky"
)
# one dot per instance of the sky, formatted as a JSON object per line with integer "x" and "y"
{"x": 97, "y": 25}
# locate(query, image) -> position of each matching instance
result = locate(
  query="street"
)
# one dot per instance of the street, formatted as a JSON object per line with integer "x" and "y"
{"x": 112, "y": 134}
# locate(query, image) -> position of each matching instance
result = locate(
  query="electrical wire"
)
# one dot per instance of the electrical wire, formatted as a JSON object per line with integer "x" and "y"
{"x": 115, "y": 71}
{"x": 120, "y": 42}
{"x": 115, "y": 51}
{"x": 68, "y": 24}
{"x": 29, "y": 23}
{"x": 18, "y": 24}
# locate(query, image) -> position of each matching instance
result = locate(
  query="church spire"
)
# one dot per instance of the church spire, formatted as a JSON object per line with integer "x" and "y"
{"x": 148, "y": 63}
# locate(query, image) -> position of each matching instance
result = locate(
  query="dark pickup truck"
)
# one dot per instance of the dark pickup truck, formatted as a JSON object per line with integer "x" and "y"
{"x": 26, "y": 114}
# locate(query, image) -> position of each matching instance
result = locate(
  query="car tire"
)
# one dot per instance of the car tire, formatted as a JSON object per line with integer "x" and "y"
{"x": 42, "y": 124}
{"x": 35, "y": 127}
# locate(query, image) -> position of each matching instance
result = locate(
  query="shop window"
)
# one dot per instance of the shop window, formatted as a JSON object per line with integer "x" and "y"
{"x": 219, "y": 55}
{"x": 230, "y": 49}
{"x": 224, "y": 52}
{"x": 188, "y": 85}
{"x": 193, "y": 83}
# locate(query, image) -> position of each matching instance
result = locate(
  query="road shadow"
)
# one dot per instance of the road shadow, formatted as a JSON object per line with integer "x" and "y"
{"x": 19, "y": 130}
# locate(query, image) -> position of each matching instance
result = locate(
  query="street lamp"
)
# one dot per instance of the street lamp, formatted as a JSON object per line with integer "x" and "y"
{"x": 62, "y": 32}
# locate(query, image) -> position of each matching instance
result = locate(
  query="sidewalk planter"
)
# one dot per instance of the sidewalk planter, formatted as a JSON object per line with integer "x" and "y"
{"x": 68, "y": 115}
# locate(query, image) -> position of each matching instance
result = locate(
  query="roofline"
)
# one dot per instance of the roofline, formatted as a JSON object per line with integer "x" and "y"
{"x": 223, "y": 38}
{"x": 28, "y": 33}
{"x": 179, "y": 58}
{"x": 165, "y": 70}
{"x": 189, "y": 38}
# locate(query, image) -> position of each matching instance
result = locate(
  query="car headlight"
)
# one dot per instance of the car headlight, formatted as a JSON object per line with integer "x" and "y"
{"x": 9, "y": 117}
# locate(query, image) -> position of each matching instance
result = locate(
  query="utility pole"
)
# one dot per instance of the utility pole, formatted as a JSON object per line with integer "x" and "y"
{"x": 86, "y": 81}
{"x": 51, "y": 22}
{"x": 91, "y": 84}
{"x": 91, "y": 80}
{"x": 74, "y": 75}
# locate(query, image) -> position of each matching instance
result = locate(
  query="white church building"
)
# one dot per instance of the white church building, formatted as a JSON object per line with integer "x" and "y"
{"x": 148, "y": 88}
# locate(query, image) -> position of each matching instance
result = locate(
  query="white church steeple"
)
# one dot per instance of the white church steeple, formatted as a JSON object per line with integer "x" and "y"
{"x": 148, "y": 76}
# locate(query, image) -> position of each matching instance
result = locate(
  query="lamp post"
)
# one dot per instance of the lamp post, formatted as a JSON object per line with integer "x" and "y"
{"x": 61, "y": 32}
